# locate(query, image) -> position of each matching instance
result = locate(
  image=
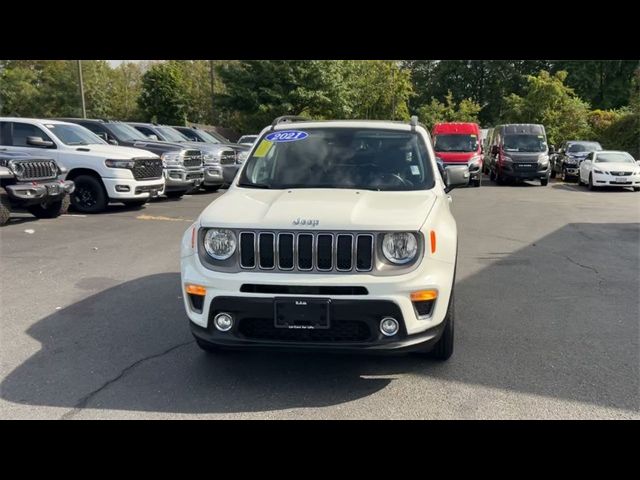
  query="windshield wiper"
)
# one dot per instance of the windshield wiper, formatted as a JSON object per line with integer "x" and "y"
{"x": 254, "y": 185}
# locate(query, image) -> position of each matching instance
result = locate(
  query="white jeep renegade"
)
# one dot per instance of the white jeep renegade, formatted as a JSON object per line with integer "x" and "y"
{"x": 334, "y": 235}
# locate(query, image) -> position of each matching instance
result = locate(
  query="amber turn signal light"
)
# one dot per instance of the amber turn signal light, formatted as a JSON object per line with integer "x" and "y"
{"x": 424, "y": 295}
{"x": 196, "y": 290}
{"x": 433, "y": 241}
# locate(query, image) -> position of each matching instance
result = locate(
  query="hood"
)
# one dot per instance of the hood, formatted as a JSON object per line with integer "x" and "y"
{"x": 115, "y": 152}
{"x": 461, "y": 157}
{"x": 333, "y": 209}
{"x": 158, "y": 145}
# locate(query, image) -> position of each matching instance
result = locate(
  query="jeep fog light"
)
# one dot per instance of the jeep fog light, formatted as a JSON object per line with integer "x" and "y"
{"x": 389, "y": 326}
{"x": 223, "y": 322}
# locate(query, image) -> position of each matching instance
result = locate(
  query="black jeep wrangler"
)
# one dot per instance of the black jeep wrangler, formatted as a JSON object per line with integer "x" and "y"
{"x": 32, "y": 183}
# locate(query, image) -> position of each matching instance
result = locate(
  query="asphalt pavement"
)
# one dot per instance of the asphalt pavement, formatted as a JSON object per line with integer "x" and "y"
{"x": 547, "y": 321}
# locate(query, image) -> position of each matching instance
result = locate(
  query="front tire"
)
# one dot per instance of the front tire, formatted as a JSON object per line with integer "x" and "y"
{"x": 5, "y": 207}
{"x": 89, "y": 195}
{"x": 443, "y": 349}
{"x": 544, "y": 182}
{"x": 174, "y": 195}
{"x": 52, "y": 210}
{"x": 553, "y": 172}
{"x": 591, "y": 185}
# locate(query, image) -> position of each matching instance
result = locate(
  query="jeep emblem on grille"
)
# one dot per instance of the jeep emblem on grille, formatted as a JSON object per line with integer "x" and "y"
{"x": 308, "y": 221}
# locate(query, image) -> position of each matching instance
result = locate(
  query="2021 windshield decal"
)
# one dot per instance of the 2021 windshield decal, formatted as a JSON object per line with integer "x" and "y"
{"x": 287, "y": 136}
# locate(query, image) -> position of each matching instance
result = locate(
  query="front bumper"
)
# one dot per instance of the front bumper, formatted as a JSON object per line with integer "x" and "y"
{"x": 354, "y": 326}
{"x": 39, "y": 192}
{"x": 131, "y": 189}
{"x": 180, "y": 179}
{"x": 515, "y": 171}
{"x": 571, "y": 169}
{"x": 213, "y": 175}
{"x": 386, "y": 295}
{"x": 603, "y": 179}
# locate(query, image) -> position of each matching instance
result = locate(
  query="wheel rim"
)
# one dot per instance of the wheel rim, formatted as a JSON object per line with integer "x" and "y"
{"x": 85, "y": 196}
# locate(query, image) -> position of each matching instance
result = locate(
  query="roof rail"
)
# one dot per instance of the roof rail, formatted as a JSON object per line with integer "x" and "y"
{"x": 288, "y": 118}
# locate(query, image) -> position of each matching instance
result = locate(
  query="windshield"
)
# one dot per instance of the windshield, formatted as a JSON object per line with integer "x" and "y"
{"x": 126, "y": 133}
{"x": 456, "y": 143}
{"x": 172, "y": 135}
{"x": 74, "y": 134}
{"x": 584, "y": 147}
{"x": 525, "y": 143}
{"x": 206, "y": 137}
{"x": 614, "y": 157}
{"x": 372, "y": 159}
{"x": 248, "y": 139}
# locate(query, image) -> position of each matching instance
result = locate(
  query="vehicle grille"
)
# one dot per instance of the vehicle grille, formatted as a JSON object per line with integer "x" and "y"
{"x": 147, "y": 168}
{"x": 621, "y": 174}
{"x": 34, "y": 170}
{"x": 305, "y": 251}
{"x": 228, "y": 157}
{"x": 193, "y": 158}
{"x": 340, "y": 331}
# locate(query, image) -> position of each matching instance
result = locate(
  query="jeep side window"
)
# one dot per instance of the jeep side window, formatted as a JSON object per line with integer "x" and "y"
{"x": 23, "y": 130}
{"x": 145, "y": 130}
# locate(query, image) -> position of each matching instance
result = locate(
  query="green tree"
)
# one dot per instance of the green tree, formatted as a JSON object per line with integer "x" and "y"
{"x": 125, "y": 88}
{"x": 436, "y": 112}
{"x": 547, "y": 100}
{"x": 163, "y": 94}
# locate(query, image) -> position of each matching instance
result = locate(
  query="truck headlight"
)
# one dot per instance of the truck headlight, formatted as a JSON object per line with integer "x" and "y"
{"x": 119, "y": 163}
{"x": 171, "y": 159}
{"x": 399, "y": 247}
{"x": 543, "y": 160}
{"x": 242, "y": 156}
{"x": 220, "y": 243}
{"x": 210, "y": 158}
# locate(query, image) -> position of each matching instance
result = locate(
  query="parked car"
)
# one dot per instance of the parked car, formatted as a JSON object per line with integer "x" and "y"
{"x": 183, "y": 169}
{"x": 102, "y": 173}
{"x": 230, "y": 166}
{"x": 458, "y": 143}
{"x": 247, "y": 140}
{"x": 335, "y": 235}
{"x": 31, "y": 183}
{"x": 568, "y": 157}
{"x": 609, "y": 168}
{"x": 216, "y": 155}
{"x": 519, "y": 152}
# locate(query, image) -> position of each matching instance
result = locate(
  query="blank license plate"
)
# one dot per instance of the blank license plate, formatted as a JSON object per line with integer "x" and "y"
{"x": 302, "y": 313}
{"x": 621, "y": 179}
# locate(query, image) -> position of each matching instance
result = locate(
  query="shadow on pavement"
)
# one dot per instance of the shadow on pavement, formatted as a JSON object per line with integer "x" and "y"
{"x": 557, "y": 318}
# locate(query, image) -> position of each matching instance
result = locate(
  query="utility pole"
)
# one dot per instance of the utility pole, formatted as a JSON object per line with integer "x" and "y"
{"x": 84, "y": 109}
{"x": 213, "y": 110}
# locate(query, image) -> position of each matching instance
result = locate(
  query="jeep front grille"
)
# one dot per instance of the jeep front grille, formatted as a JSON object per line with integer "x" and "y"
{"x": 147, "y": 168}
{"x": 34, "y": 169}
{"x": 304, "y": 251}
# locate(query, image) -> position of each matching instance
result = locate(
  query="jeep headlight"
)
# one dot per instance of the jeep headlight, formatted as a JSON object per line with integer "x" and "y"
{"x": 399, "y": 247}
{"x": 220, "y": 243}
{"x": 171, "y": 159}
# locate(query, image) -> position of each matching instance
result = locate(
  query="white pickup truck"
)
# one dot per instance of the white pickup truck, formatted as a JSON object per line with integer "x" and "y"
{"x": 102, "y": 173}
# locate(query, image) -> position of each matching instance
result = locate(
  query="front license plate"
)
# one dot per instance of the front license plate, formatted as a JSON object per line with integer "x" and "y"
{"x": 153, "y": 192}
{"x": 621, "y": 179}
{"x": 302, "y": 313}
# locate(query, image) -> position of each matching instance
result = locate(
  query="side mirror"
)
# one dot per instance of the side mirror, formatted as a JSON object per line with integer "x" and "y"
{"x": 495, "y": 150}
{"x": 39, "y": 142}
{"x": 552, "y": 149}
{"x": 112, "y": 141}
{"x": 103, "y": 136}
{"x": 456, "y": 176}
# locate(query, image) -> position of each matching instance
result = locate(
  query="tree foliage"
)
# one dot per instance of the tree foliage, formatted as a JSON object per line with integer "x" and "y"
{"x": 163, "y": 96}
{"x": 436, "y": 112}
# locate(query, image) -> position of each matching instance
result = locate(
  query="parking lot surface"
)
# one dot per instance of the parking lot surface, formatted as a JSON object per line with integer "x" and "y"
{"x": 547, "y": 321}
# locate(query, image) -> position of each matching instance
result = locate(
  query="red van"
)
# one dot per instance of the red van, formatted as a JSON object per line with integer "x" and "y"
{"x": 459, "y": 143}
